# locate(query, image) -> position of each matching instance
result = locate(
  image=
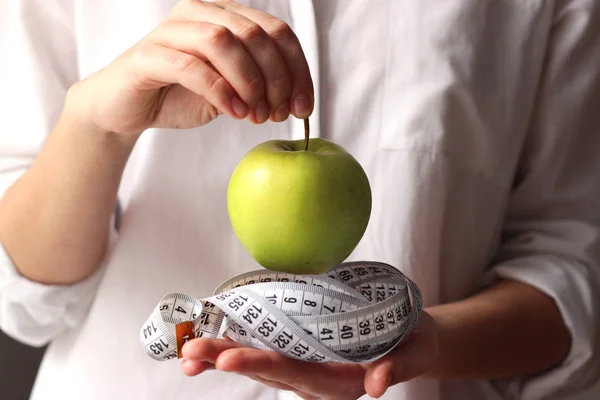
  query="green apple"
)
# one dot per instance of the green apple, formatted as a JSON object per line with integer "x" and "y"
{"x": 299, "y": 206}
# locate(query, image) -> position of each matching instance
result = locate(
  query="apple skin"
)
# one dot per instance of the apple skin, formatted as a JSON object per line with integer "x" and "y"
{"x": 298, "y": 211}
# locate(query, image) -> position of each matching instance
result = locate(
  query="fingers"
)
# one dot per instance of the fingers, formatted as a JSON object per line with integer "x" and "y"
{"x": 230, "y": 60}
{"x": 202, "y": 349}
{"x": 264, "y": 52}
{"x": 201, "y": 354}
{"x": 344, "y": 381}
{"x": 270, "y": 44}
{"x": 302, "y": 92}
{"x": 193, "y": 368}
{"x": 153, "y": 66}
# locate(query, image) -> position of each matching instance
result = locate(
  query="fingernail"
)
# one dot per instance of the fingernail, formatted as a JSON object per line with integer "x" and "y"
{"x": 239, "y": 107}
{"x": 282, "y": 112}
{"x": 262, "y": 112}
{"x": 302, "y": 105}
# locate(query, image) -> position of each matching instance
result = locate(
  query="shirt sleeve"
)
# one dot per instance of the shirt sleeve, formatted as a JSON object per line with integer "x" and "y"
{"x": 38, "y": 63}
{"x": 551, "y": 238}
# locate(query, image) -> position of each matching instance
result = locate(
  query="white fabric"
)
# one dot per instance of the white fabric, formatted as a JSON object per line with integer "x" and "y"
{"x": 476, "y": 122}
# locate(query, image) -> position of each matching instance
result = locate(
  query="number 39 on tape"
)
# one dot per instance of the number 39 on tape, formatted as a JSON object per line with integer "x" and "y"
{"x": 354, "y": 313}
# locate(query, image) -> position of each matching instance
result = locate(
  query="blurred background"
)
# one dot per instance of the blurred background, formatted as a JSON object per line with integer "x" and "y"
{"x": 18, "y": 366}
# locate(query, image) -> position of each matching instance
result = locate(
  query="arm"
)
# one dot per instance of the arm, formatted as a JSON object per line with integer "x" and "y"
{"x": 510, "y": 329}
{"x": 56, "y": 206}
{"x": 551, "y": 234}
{"x": 535, "y": 328}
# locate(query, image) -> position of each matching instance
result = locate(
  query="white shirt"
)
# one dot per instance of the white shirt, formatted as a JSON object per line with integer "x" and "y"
{"x": 476, "y": 122}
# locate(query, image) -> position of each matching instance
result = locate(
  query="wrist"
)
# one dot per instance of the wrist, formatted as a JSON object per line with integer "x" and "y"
{"x": 439, "y": 316}
{"x": 78, "y": 115}
{"x": 77, "y": 136}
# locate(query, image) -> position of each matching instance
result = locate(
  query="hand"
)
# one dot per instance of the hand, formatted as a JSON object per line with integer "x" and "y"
{"x": 204, "y": 59}
{"x": 414, "y": 357}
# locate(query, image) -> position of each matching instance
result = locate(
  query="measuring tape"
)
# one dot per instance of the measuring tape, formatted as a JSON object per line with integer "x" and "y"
{"x": 354, "y": 313}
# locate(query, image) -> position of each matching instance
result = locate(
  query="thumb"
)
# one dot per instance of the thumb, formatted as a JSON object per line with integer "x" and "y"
{"x": 183, "y": 109}
{"x": 411, "y": 358}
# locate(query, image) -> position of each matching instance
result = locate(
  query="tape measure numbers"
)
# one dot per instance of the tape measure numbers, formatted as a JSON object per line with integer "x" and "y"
{"x": 355, "y": 313}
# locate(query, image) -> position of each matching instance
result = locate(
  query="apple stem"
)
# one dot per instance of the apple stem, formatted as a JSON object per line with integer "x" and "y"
{"x": 306, "y": 133}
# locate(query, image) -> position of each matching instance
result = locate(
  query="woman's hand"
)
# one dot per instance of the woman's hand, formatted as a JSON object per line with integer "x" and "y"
{"x": 204, "y": 59}
{"x": 412, "y": 358}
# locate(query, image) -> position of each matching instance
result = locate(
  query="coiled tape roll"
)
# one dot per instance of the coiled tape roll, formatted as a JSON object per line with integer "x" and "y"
{"x": 355, "y": 313}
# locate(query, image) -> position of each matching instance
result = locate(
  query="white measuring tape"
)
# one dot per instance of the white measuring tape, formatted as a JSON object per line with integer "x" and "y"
{"x": 354, "y": 313}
